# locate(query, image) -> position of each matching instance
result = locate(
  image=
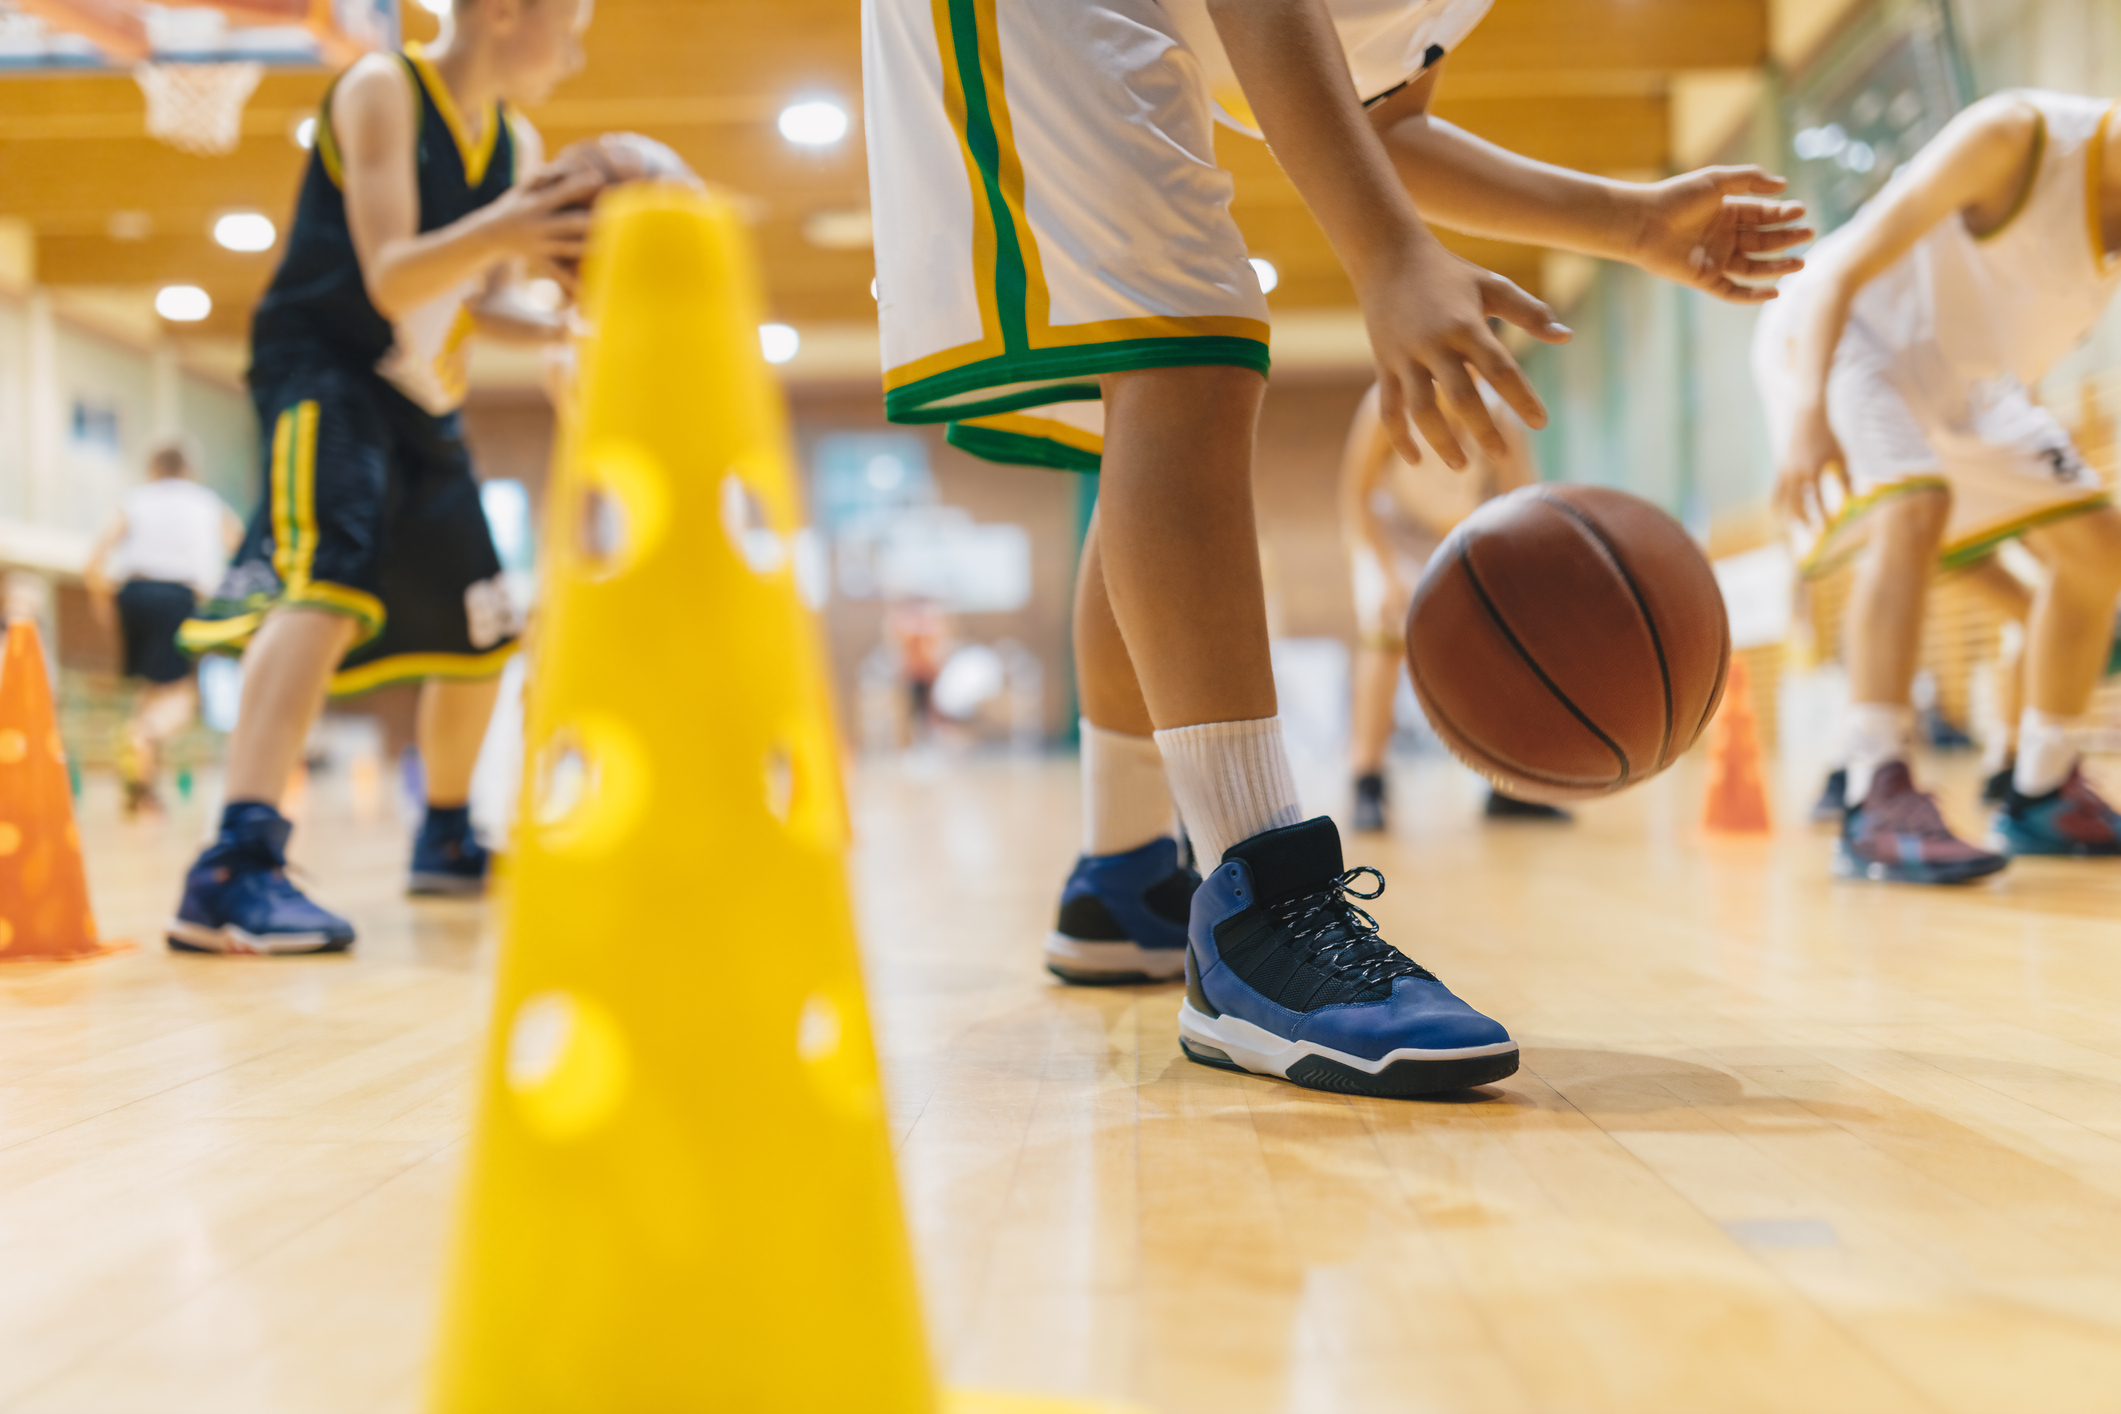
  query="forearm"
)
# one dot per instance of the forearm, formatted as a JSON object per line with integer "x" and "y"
{"x": 404, "y": 274}
{"x": 1295, "y": 77}
{"x": 1469, "y": 184}
{"x": 1819, "y": 335}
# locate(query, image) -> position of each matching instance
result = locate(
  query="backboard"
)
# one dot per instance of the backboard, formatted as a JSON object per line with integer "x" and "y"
{"x": 87, "y": 35}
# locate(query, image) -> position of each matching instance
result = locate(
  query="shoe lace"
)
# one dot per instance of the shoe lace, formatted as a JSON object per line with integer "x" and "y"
{"x": 1341, "y": 935}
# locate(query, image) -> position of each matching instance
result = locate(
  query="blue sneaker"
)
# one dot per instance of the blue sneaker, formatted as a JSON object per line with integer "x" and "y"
{"x": 1286, "y": 977}
{"x": 447, "y": 857}
{"x": 1123, "y": 917}
{"x": 2069, "y": 820}
{"x": 237, "y": 898}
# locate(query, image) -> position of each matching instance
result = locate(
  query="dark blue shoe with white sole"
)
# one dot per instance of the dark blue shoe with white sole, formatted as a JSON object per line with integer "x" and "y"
{"x": 237, "y": 897}
{"x": 447, "y": 857}
{"x": 1123, "y": 917}
{"x": 1284, "y": 976}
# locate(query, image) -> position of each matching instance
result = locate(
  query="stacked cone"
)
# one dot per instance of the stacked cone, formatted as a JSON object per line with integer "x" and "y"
{"x": 1737, "y": 801}
{"x": 44, "y": 909}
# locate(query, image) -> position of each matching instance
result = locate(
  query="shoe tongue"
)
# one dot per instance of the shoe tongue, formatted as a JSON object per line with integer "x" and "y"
{"x": 1296, "y": 859}
{"x": 1890, "y": 779}
{"x": 258, "y": 828}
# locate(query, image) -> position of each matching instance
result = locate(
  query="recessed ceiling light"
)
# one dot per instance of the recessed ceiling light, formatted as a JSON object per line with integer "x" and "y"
{"x": 1269, "y": 277}
{"x": 779, "y": 342}
{"x": 183, "y": 304}
{"x": 306, "y": 134}
{"x": 819, "y": 123}
{"x": 246, "y": 231}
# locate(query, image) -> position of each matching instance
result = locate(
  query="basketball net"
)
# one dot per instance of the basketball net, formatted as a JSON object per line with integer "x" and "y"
{"x": 197, "y": 108}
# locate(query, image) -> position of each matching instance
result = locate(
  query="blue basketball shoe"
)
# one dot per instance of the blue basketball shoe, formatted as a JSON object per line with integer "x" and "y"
{"x": 1123, "y": 917}
{"x": 447, "y": 857}
{"x": 237, "y": 898}
{"x": 2072, "y": 819}
{"x": 1285, "y": 976}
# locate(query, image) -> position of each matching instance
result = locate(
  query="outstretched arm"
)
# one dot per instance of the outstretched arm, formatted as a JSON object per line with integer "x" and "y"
{"x": 1426, "y": 309}
{"x": 1972, "y": 171}
{"x": 1361, "y": 464}
{"x": 1703, "y": 229}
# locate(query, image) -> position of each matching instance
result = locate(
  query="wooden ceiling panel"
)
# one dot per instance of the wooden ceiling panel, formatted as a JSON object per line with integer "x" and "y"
{"x": 1580, "y": 82}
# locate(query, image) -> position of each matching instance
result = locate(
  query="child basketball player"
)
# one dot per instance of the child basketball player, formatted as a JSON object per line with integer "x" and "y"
{"x": 166, "y": 546}
{"x": 369, "y": 559}
{"x": 1900, "y": 364}
{"x": 1395, "y": 513}
{"x": 1052, "y": 228}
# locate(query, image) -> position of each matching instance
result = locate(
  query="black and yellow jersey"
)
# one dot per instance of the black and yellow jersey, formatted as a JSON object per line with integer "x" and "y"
{"x": 318, "y": 302}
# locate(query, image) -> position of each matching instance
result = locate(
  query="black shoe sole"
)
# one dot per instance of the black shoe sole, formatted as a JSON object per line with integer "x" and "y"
{"x": 1401, "y": 1080}
{"x": 1937, "y": 874}
{"x": 179, "y": 945}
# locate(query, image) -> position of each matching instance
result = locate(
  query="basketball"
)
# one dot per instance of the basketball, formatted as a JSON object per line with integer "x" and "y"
{"x": 1568, "y": 641}
{"x": 618, "y": 158}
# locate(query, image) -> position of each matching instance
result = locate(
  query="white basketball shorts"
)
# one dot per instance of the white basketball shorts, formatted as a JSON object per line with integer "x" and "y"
{"x": 2009, "y": 465}
{"x": 1047, "y": 209}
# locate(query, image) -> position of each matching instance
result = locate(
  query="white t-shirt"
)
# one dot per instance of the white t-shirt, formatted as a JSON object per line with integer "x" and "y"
{"x": 173, "y": 531}
{"x": 1387, "y": 43}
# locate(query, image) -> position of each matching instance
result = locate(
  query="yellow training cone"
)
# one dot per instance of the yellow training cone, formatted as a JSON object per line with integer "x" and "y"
{"x": 680, "y": 1193}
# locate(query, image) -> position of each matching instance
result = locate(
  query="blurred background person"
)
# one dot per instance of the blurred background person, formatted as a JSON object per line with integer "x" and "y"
{"x": 160, "y": 555}
{"x": 1394, "y": 515}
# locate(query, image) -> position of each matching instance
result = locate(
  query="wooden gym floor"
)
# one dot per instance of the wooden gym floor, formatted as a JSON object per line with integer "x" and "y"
{"x": 1778, "y": 1144}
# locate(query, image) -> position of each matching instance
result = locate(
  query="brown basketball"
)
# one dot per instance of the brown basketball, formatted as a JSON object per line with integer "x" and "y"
{"x": 1568, "y": 641}
{"x": 617, "y": 158}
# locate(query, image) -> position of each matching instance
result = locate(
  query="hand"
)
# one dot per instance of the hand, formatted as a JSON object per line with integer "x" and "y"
{"x": 1427, "y": 311}
{"x": 545, "y": 221}
{"x": 1814, "y": 454}
{"x": 1698, "y": 230}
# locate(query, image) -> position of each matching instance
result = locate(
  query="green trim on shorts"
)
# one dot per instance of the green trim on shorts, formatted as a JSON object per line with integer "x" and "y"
{"x": 1958, "y": 557}
{"x": 922, "y": 401}
{"x": 1830, "y": 554}
{"x": 1016, "y": 449}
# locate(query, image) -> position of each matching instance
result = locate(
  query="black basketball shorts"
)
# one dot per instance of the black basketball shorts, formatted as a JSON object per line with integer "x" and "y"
{"x": 370, "y": 510}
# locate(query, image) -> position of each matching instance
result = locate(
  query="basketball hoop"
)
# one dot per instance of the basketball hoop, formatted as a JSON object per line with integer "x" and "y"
{"x": 197, "y": 108}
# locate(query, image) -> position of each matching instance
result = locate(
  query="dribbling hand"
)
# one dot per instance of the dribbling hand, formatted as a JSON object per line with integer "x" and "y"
{"x": 1428, "y": 317}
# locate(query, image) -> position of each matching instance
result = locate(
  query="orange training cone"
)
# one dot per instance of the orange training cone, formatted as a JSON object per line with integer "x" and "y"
{"x": 44, "y": 910}
{"x": 1737, "y": 802}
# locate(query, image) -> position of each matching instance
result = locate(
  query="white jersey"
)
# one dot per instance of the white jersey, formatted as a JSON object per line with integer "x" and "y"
{"x": 1961, "y": 309}
{"x": 174, "y": 530}
{"x": 1387, "y": 42}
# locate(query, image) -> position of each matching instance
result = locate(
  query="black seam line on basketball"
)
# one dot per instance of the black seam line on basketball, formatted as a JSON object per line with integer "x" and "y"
{"x": 1664, "y": 669}
{"x": 1436, "y": 713}
{"x": 1465, "y": 562}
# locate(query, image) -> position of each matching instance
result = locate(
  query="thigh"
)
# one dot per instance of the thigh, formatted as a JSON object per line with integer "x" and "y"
{"x": 2015, "y": 473}
{"x": 449, "y": 610}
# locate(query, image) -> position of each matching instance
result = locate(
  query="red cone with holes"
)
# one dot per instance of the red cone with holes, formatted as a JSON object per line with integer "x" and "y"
{"x": 44, "y": 910}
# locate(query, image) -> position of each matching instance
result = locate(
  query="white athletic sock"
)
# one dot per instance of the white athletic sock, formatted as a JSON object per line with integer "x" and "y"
{"x": 1878, "y": 732}
{"x": 2047, "y": 749}
{"x": 1126, "y": 802}
{"x": 1232, "y": 780}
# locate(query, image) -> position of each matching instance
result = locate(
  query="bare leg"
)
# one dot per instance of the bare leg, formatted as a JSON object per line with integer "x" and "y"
{"x": 1376, "y": 685}
{"x": 1890, "y": 595}
{"x": 1178, "y": 549}
{"x": 453, "y": 718}
{"x": 1104, "y": 674}
{"x": 2008, "y": 596}
{"x": 2070, "y": 630}
{"x": 285, "y": 673}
